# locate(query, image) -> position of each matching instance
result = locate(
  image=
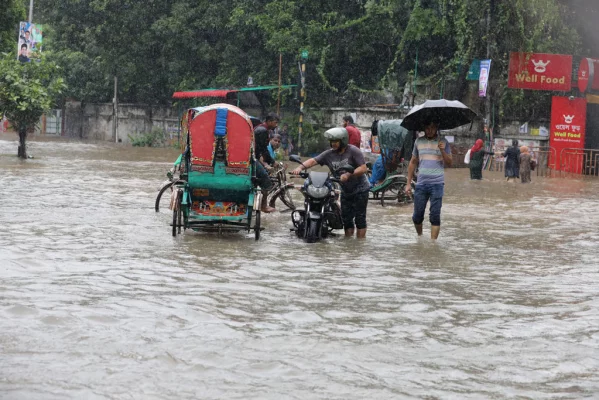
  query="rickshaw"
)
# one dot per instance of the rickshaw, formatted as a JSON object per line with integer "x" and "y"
{"x": 173, "y": 174}
{"x": 395, "y": 144}
{"x": 216, "y": 191}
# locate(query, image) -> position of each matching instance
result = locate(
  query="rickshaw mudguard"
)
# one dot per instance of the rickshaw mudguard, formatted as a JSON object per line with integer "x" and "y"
{"x": 255, "y": 198}
{"x": 388, "y": 180}
{"x": 186, "y": 199}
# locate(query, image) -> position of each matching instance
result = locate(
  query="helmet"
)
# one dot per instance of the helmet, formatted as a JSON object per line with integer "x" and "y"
{"x": 337, "y": 134}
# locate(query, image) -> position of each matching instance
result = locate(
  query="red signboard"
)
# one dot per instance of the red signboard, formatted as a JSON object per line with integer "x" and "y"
{"x": 539, "y": 71}
{"x": 568, "y": 124}
{"x": 588, "y": 75}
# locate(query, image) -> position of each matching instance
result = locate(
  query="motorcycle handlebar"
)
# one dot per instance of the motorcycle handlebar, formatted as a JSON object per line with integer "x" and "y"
{"x": 302, "y": 174}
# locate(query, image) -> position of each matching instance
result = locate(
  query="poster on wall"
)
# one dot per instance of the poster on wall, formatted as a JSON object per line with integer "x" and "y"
{"x": 501, "y": 145}
{"x": 567, "y": 133}
{"x": 29, "y": 45}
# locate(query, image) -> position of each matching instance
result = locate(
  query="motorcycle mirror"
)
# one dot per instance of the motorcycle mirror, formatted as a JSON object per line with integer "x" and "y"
{"x": 295, "y": 158}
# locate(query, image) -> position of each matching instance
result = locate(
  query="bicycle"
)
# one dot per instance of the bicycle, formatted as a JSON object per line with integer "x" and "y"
{"x": 171, "y": 181}
{"x": 281, "y": 188}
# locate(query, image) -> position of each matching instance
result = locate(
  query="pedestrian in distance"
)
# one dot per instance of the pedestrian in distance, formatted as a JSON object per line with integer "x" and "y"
{"x": 274, "y": 148}
{"x": 525, "y": 164}
{"x": 431, "y": 155}
{"x": 512, "y": 162}
{"x": 477, "y": 155}
{"x": 286, "y": 142}
{"x": 355, "y": 137}
{"x": 264, "y": 161}
{"x": 354, "y": 186}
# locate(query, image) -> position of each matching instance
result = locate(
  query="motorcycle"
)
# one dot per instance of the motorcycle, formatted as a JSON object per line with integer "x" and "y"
{"x": 322, "y": 209}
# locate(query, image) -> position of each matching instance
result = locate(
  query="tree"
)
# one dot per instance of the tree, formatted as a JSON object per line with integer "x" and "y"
{"x": 356, "y": 47}
{"x": 27, "y": 90}
{"x": 13, "y": 11}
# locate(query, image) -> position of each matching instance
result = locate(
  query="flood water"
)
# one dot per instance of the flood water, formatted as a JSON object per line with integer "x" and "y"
{"x": 99, "y": 301}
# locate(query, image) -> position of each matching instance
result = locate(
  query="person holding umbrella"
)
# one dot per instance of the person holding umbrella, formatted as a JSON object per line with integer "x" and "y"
{"x": 432, "y": 155}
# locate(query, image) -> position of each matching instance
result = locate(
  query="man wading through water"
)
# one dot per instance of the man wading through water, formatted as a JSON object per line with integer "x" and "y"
{"x": 431, "y": 155}
{"x": 354, "y": 186}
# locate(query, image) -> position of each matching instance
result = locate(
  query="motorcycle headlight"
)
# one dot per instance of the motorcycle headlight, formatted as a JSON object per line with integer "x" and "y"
{"x": 318, "y": 193}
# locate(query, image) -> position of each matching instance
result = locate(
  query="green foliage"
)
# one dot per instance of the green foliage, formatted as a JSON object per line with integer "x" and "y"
{"x": 155, "y": 138}
{"x": 27, "y": 90}
{"x": 12, "y": 12}
{"x": 356, "y": 47}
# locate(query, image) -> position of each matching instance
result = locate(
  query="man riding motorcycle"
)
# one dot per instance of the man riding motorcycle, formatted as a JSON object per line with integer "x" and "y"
{"x": 354, "y": 186}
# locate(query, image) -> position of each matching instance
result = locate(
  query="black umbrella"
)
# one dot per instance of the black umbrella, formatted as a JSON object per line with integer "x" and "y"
{"x": 448, "y": 114}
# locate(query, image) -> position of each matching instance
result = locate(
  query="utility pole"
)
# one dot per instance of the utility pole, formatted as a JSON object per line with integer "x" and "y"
{"x": 488, "y": 102}
{"x": 30, "y": 11}
{"x": 115, "y": 112}
{"x": 279, "y": 94}
{"x": 415, "y": 78}
{"x": 302, "y": 67}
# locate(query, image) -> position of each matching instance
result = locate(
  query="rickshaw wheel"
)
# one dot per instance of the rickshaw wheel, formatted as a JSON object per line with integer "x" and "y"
{"x": 179, "y": 217}
{"x": 391, "y": 193}
{"x": 373, "y": 195}
{"x": 257, "y": 225}
{"x": 177, "y": 214}
{"x": 174, "y": 222}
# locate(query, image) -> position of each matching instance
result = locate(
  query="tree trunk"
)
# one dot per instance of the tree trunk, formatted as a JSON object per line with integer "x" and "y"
{"x": 22, "y": 152}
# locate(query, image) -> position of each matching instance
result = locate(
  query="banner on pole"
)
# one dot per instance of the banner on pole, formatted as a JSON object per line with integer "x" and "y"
{"x": 474, "y": 70}
{"x": 483, "y": 79}
{"x": 29, "y": 45}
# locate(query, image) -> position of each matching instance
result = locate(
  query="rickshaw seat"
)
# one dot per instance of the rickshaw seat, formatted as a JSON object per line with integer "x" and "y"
{"x": 220, "y": 185}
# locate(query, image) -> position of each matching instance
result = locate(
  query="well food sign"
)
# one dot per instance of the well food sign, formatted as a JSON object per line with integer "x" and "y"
{"x": 568, "y": 125}
{"x": 540, "y": 71}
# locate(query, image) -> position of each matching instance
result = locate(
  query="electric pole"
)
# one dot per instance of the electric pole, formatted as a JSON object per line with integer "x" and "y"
{"x": 302, "y": 66}
{"x": 488, "y": 103}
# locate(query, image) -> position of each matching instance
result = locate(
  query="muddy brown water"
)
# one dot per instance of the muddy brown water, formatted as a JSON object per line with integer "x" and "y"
{"x": 99, "y": 301}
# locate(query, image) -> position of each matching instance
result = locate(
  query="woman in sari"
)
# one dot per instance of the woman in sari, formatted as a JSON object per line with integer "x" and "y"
{"x": 525, "y": 161}
{"x": 477, "y": 155}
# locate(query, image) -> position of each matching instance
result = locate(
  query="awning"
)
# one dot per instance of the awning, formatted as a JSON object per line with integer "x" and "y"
{"x": 222, "y": 93}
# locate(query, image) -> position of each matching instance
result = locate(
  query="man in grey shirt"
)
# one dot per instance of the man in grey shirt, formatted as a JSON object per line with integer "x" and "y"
{"x": 354, "y": 186}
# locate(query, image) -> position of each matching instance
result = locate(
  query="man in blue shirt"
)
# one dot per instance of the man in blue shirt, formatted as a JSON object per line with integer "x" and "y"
{"x": 431, "y": 155}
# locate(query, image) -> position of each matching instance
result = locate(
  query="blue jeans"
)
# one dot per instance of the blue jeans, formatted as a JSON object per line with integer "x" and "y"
{"x": 424, "y": 193}
{"x": 378, "y": 171}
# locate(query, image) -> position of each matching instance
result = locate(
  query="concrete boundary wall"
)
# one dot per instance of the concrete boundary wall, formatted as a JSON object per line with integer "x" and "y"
{"x": 95, "y": 121}
{"x": 133, "y": 119}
